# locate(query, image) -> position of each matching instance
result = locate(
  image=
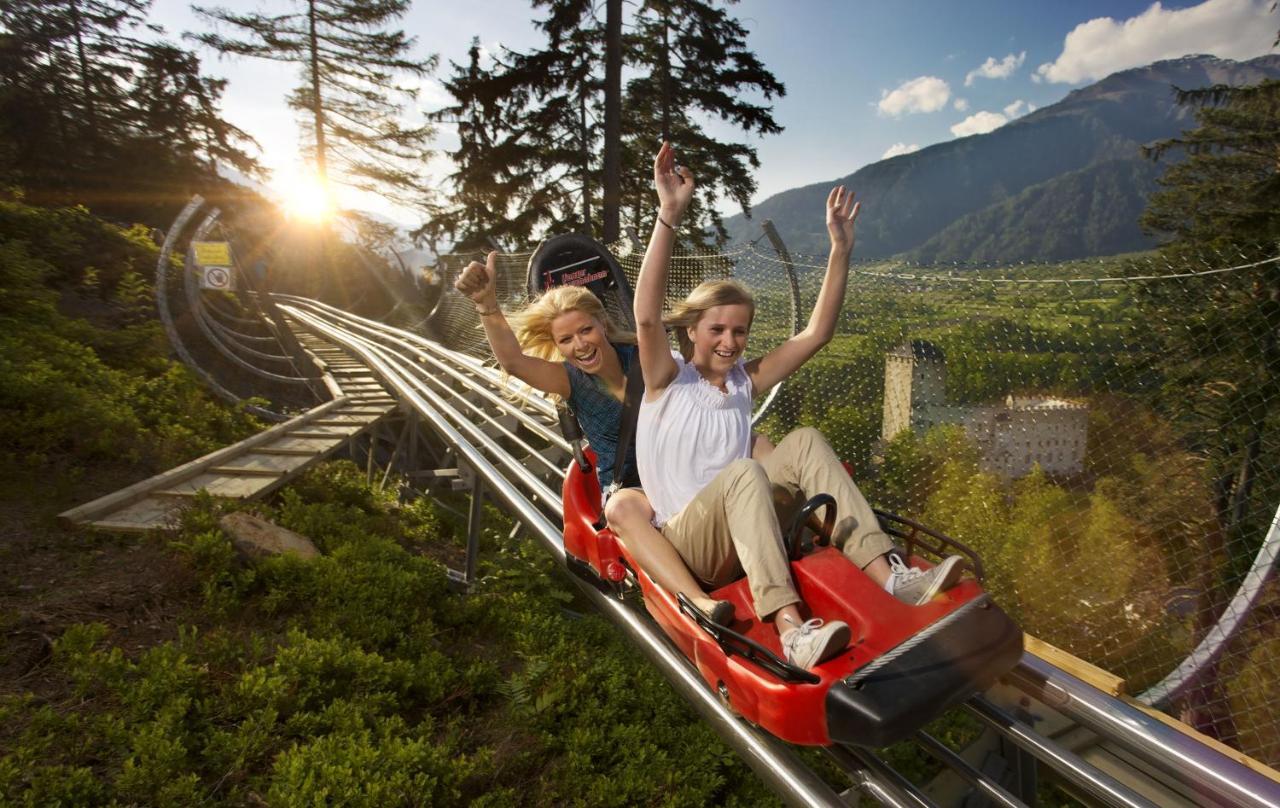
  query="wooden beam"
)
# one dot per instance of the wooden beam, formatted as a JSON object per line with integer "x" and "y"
{"x": 244, "y": 471}
{"x": 273, "y": 450}
{"x": 118, "y": 499}
{"x": 1104, "y": 680}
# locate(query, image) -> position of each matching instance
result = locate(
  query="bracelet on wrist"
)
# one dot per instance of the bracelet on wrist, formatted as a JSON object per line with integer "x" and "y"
{"x": 485, "y": 312}
{"x": 665, "y": 223}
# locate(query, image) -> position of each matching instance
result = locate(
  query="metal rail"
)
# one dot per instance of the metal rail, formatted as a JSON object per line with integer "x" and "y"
{"x": 445, "y": 364}
{"x": 171, "y": 240}
{"x": 772, "y": 760}
{"x": 415, "y": 369}
{"x": 1229, "y": 623}
{"x": 1219, "y": 779}
{"x": 1095, "y": 783}
{"x": 208, "y": 326}
{"x": 976, "y": 779}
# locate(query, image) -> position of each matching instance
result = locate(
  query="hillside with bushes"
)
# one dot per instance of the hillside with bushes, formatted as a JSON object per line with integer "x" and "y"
{"x": 163, "y": 670}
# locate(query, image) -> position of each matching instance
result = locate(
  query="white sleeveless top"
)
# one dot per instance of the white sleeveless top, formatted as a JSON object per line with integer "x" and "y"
{"x": 686, "y": 437}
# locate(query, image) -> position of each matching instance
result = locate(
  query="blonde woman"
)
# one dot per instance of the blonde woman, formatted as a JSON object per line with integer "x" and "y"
{"x": 712, "y": 501}
{"x": 564, "y": 343}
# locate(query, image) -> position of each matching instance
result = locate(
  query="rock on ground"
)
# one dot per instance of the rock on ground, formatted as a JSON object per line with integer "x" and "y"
{"x": 255, "y": 537}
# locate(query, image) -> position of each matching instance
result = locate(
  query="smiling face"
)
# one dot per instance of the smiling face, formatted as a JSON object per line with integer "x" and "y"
{"x": 720, "y": 336}
{"x": 581, "y": 340}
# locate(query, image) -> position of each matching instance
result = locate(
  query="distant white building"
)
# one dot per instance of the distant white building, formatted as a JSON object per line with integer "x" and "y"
{"x": 1013, "y": 437}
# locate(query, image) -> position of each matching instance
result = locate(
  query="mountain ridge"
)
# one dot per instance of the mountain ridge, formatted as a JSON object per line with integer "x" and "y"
{"x": 951, "y": 200}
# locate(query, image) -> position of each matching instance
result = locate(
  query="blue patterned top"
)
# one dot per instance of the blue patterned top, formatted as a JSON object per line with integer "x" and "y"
{"x": 600, "y": 416}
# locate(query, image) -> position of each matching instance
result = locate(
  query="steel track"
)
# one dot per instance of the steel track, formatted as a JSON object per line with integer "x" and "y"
{"x": 506, "y": 438}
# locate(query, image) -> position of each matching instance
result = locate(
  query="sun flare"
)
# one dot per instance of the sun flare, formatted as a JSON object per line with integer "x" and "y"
{"x": 305, "y": 198}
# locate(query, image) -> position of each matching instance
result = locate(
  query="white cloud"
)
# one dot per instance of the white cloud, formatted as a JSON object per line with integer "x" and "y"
{"x": 487, "y": 51}
{"x": 961, "y": 105}
{"x": 432, "y": 94}
{"x": 1231, "y": 29}
{"x": 1016, "y": 108}
{"x": 899, "y": 148}
{"x": 979, "y": 123}
{"x": 992, "y": 69}
{"x": 922, "y": 94}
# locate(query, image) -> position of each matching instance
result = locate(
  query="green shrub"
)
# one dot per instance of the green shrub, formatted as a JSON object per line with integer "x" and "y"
{"x": 360, "y": 678}
{"x": 85, "y": 392}
{"x": 380, "y": 766}
{"x": 76, "y": 244}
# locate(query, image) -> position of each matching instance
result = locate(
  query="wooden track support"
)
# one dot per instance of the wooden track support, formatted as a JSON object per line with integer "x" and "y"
{"x": 249, "y": 469}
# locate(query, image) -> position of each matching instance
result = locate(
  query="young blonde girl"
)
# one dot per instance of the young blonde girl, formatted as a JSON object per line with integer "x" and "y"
{"x": 712, "y": 501}
{"x": 564, "y": 343}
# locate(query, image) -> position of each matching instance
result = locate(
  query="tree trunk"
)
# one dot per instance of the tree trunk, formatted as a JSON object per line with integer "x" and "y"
{"x": 1269, "y": 299}
{"x": 586, "y": 160}
{"x": 665, "y": 63}
{"x": 86, "y": 90}
{"x": 64, "y": 138}
{"x": 317, "y": 108}
{"x": 1245, "y": 477}
{"x": 612, "y": 215}
{"x": 1207, "y": 708}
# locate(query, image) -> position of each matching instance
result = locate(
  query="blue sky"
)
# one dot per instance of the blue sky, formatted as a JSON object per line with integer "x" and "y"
{"x": 864, "y": 79}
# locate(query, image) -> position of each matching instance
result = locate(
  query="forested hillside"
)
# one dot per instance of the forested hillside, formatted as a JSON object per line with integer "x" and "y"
{"x": 962, "y": 200}
{"x": 1045, "y": 219}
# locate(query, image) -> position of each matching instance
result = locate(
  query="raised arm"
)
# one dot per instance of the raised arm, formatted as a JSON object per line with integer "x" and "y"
{"x": 478, "y": 282}
{"x": 675, "y": 190}
{"x": 787, "y": 358}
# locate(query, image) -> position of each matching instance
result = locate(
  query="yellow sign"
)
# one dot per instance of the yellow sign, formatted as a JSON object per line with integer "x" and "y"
{"x": 212, "y": 253}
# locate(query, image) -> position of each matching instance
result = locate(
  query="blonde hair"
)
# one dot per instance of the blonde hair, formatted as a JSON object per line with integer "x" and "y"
{"x": 532, "y": 324}
{"x": 708, "y": 294}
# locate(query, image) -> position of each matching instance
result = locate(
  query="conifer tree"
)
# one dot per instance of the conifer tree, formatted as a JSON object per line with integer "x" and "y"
{"x": 79, "y": 55}
{"x": 1215, "y": 341}
{"x": 350, "y": 96}
{"x": 495, "y": 182}
{"x": 1223, "y": 203}
{"x": 699, "y": 67}
{"x": 95, "y": 109}
{"x": 529, "y": 139}
{"x": 552, "y": 102}
{"x": 1227, "y": 191}
{"x": 176, "y": 110}
{"x": 564, "y": 127}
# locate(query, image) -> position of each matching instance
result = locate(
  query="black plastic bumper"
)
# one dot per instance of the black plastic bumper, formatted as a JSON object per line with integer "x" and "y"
{"x": 884, "y": 703}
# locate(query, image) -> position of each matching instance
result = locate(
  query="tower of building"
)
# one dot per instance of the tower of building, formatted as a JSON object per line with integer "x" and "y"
{"x": 914, "y": 380}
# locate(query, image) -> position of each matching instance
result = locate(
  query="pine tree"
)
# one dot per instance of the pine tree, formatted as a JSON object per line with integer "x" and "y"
{"x": 496, "y": 184}
{"x": 349, "y": 96}
{"x": 1215, "y": 341}
{"x": 1227, "y": 192}
{"x": 544, "y": 132}
{"x": 564, "y": 127}
{"x": 78, "y": 57}
{"x": 1221, "y": 361}
{"x": 176, "y": 110}
{"x": 94, "y": 109}
{"x": 700, "y": 67}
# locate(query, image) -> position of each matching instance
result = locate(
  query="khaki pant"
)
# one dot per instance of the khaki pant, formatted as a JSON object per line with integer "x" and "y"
{"x": 731, "y": 526}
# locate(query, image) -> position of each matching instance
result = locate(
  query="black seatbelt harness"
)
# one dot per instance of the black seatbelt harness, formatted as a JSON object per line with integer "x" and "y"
{"x": 627, "y": 429}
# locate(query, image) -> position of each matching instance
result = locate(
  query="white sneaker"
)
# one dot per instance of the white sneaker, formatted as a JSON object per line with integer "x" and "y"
{"x": 916, "y": 586}
{"x": 813, "y": 642}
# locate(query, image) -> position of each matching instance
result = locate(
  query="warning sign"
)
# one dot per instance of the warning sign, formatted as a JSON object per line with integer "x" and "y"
{"x": 216, "y": 278}
{"x": 211, "y": 253}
